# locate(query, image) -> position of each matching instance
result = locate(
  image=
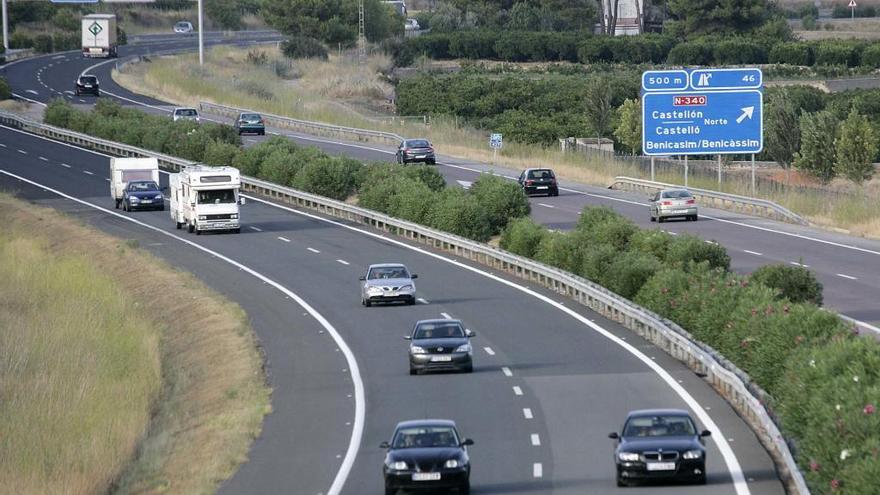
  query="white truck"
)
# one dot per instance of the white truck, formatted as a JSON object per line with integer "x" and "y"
{"x": 99, "y": 35}
{"x": 125, "y": 170}
{"x": 204, "y": 198}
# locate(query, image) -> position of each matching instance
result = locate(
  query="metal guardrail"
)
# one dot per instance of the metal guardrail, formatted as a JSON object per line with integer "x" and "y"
{"x": 727, "y": 379}
{"x": 316, "y": 128}
{"x": 716, "y": 199}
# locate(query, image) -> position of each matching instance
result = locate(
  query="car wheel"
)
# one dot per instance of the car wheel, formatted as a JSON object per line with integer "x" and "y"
{"x": 652, "y": 218}
{"x": 178, "y": 225}
{"x": 190, "y": 228}
{"x": 413, "y": 371}
{"x": 117, "y": 203}
{"x": 621, "y": 483}
{"x": 367, "y": 303}
{"x": 124, "y": 206}
{"x": 660, "y": 219}
{"x": 198, "y": 232}
{"x": 469, "y": 368}
{"x": 465, "y": 488}
{"x": 411, "y": 301}
{"x": 161, "y": 208}
{"x": 695, "y": 217}
{"x": 432, "y": 162}
{"x": 390, "y": 491}
{"x": 263, "y": 132}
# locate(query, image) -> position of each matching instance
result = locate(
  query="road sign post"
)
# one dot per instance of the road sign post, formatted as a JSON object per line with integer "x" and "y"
{"x": 852, "y": 6}
{"x": 496, "y": 141}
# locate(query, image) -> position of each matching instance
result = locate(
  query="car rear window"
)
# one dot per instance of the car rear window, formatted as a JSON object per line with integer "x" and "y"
{"x": 439, "y": 331}
{"x": 187, "y": 112}
{"x": 250, "y": 116}
{"x": 418, "y": 143}
{"x": 541, "y": 174}
{"x": 88, "y": 79}
{"x": 676, "y": 194}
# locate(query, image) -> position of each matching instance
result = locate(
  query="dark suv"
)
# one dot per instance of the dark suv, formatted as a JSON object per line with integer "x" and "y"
{"x": 86, "y": 84}
{"x": 416, "y": 150}
{"x": 538, "y": 181}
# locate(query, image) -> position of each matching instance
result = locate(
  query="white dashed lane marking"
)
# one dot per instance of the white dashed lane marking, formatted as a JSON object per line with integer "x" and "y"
{"x": 506, "y": 371}
{"x": 848, "y": 277}
{"x": 87, "y": 172}
{"x": 795, "y": 263}
{"x": 257, "y": 229}
{"x": 752, "y": 252}
{"x": 65, "y": 165}
{"x": 527, "y": 413}
{"x": 536, "y": 439}
{"x": 517, "y": 390}
{"x": 285, "y": 239}
{"x": 343, "y": 262}
{"x": 489, "y": 351}
{"x": 422, "y": 300}
{"x": 314, "y": 250}
{"x": 537, "y": 470}
{"x": 446, "y": 315}
{"x": 546, "y": 205}
{"x": 23, "y": 152}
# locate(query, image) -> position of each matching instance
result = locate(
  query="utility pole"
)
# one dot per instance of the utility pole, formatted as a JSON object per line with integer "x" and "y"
{"x": 362, "y": 38}
{"x": 201, "y": 37}
{"x": 5, "y": 27}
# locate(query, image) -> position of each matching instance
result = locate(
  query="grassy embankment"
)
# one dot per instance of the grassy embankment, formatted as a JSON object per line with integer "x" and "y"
{"x": 328, "y": 91}
{"x": 118, "y": 373}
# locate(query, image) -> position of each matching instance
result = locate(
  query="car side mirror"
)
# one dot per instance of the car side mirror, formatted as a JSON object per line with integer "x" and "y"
{"x": 414, "y": 276}
{"x": 362, "y": 278}
{"x": 706, "y": 433}
{"x": 407, "y": 337}
{"x": 470, "y": 334}
{"x": 467, "y": 442}
{"x": 242, "y": 201}
{"x": 613, "y": 435}
{"x": 384, "y": 445}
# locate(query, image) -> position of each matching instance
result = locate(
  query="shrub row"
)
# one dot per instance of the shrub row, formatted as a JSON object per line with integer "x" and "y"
{"x": 5, "y": 90}
{"x": 415, "y": 193}
{"x": 303, "y": 47}
{"x": 646, "y": 48}
{"x": 58, "y": 41}
{"x": 824, "y": 383}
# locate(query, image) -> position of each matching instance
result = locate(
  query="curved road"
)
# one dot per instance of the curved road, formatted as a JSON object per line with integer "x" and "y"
{"x": 550, "y": 381}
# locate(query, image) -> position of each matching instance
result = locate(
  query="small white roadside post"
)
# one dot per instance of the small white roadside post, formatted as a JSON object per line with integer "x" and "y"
{"x": 201, "y": 37}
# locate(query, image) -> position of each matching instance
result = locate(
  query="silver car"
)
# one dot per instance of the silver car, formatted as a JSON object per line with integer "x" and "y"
{"x": 670, "y": 203}
{"x": 388, "y": 282}
{"x": 185, "y": 113}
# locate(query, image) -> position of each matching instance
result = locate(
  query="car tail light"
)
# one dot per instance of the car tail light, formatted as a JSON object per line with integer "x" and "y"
{"x": 529, "y": 182}
{"x": 552, "y": 182}
{"x": 666, "y": 203}
{"x": 691, "y": 201}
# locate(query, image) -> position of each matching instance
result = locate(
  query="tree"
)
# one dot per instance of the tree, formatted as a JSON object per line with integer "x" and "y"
{"x": 599, "y": 94}
{"x": 817, "y": 156}
{"x": 629, "y": 125}
{"x": 332, "y": 21}
{"x": 226, "y": 13}
{"x": 694, "y": 17}
{"x": 856, "y": 148}
{"x": 782, "y": 128}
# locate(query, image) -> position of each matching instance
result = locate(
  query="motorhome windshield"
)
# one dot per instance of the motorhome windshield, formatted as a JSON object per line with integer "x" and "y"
{"x": 217, "y": 196}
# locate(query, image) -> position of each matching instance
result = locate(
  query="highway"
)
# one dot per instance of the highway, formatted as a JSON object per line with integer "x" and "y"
{"x": 551, "y": 379}
{"x": 847, "y": 266}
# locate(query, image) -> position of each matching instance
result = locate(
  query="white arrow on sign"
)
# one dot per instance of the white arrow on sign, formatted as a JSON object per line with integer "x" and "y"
{"x": 747, "y": 114}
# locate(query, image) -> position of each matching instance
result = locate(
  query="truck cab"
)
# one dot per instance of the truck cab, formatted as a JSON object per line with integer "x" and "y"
{"x": 204, "y": 198}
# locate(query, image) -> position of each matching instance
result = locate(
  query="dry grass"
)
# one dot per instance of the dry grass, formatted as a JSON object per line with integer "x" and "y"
{"x": 136, "y": 19}
{"x": 117, "y": 371}
{"x": 327, "y": 91}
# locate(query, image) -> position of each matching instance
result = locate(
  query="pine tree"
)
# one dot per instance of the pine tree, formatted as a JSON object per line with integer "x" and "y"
{"x": 817, "y": 156}
{"x": 629, "y": 125}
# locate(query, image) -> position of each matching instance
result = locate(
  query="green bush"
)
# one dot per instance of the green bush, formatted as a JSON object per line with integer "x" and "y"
{"x": 738, "y": 52}
{"x": 501, "y": 199}
{"x": 792, "y": 53}
{"x": 838, "y": 52}
{"x": 221, "y": 154}
{"x": 560, "y": 250}
{"x": 629, "y": 271}
{"x": 428, "y": 176}
{"x": 871, "y": 56}
{"x": 795, "y": 283}
{"x": 303, "y": 47}
{"x": 5, "y": 90}
{"x": 651, "y": 241}
{"x": 43, "y": 43}
{"x": 460, "y": 213}
{"x": 595, "y": 260}
{"x": 522, "y": 236}
{"x": 279, "y": 168}
{"x": 333, "y": 177}
{"x": 688, "y": 249}
{"x": 20, "y": 39}
{"x": 690, "y": 53}
{"x": 59, "y": 113}
{"x": 413, "y": 201}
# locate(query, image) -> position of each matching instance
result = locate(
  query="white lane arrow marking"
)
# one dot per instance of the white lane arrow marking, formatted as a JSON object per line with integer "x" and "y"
{"x": 747, "y": 114}
{"x": 465, "y": 184}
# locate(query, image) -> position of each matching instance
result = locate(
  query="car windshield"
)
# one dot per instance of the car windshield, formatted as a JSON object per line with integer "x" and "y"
{"x": 88, "y": 79}
{"x": 425, "y": 436}
{"x": 417, "y": 143}
{"x": 382, "y": 272}
{"x": 676, "y": 194}
{"x": 143, "y": 186}
{"x": 217, "y": 196}
{"x": 440, "y": 330}
{"x": 540, "y": 174}
{"x": 659, "y": 426}
{"x": 186, "y": 112}
{"x": 250, "y": 116}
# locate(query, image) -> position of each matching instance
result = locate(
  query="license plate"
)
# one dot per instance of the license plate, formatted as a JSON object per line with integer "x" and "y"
{"x": 88, "y": 85}
{"x": 661, "y": 466}
{"x": 146, "y": 201}
{"x": 441, "y": 359}
{"x": 542, "y": 187}
{"x": 420, "y": 156}
{"x": 391, "y": 293}
{"x": 679, "y": 211}
{"x": 426, "y": 476}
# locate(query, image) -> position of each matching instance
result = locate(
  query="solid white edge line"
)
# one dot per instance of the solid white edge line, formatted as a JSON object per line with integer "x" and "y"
{"x": 537, "y": 470}
{"x": 860, "y": 323}
{"x": 535, "y": 439}
{"x": 733, "y": 466}
{"x": 527, "y": 413}
{"x": 354, "y": 369}
{"x": 517, "y": 390}
{"x": 849, "y": 277}
{"x": 506, "y": 371}
{"x": 752, "y": 252}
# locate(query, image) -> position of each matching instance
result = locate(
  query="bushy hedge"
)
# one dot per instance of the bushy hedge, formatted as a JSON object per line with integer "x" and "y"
{"x": 303, "y": 47}
{"x": 823, "y": 383}
{"x": 5, "y": 90}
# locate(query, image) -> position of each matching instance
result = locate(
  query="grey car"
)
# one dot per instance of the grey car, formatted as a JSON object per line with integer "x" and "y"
{"x": 441, "y": 345}
{"x": 671, "y": 203}
{"x": 388, "y": 282}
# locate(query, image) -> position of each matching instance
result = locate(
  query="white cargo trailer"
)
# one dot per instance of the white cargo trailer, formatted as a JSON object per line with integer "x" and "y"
{"x": 99, "y": 35}
{"x": 125, "y": 170}
{"x": 204, "y": 198}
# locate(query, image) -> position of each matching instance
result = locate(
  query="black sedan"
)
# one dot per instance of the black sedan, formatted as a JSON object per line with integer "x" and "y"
{"x": 86, "y": 85}
{"x": 538, "y": 181}
{"x": 660, "y": 444}
{"x": 142, "y": 195}
{"x": 440, "y": 345}
{"x": 416, "y": 150}
{"x": 427, "y": 454}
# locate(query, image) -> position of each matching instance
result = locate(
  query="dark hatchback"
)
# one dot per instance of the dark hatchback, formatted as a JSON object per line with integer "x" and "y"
{"x": 660, "y": 444}
{"x": 250, "y": 122}
{"x": 142, "y": 195}
{"x": 86, "y": 85}
{"x": 440, "y": 345}
{"x": 427, "y": 454}
{"x": 538, "y": 181}
{"x": 416, "y": 150}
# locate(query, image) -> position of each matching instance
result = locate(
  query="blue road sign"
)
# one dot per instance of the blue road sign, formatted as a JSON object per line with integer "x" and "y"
{"x": 696, "y": 123}
{"x": 715, "y": 79}
{"x": 665, "y": 80}
{"x": 74, "y": 1}
{"x": 496, "y": 141}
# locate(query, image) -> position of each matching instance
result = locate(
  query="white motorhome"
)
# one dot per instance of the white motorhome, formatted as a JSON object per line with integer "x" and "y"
{"x": 99, "y": 35}
{"x": 125, "y": 170}
{"x": 205, "y": 198}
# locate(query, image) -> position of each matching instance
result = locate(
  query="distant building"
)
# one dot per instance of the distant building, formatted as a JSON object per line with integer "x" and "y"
{"x": 399, "y": 6}
{"x": 630, "y": 16}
